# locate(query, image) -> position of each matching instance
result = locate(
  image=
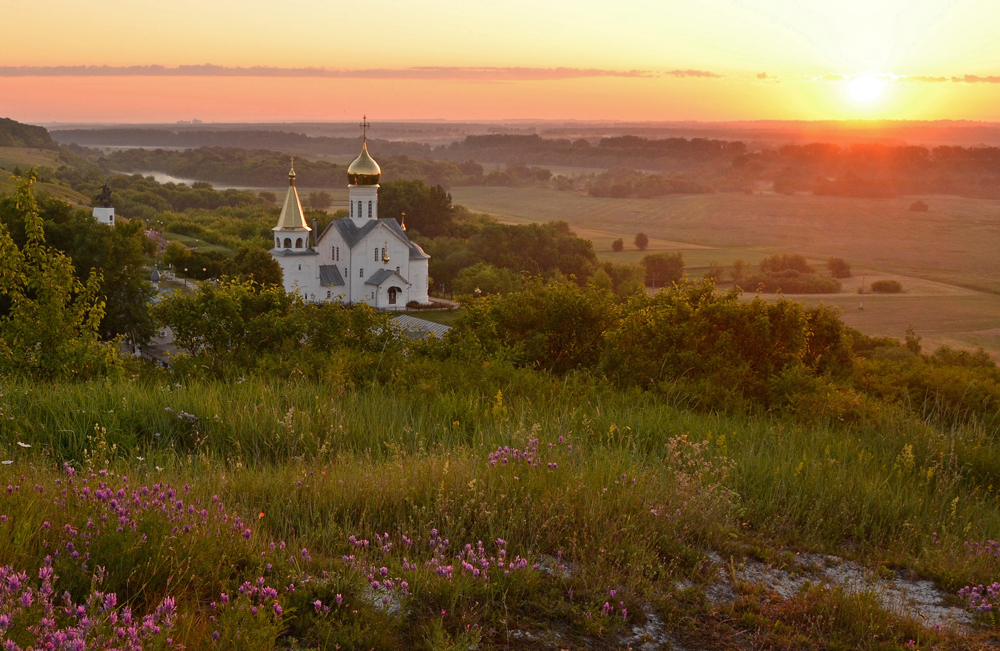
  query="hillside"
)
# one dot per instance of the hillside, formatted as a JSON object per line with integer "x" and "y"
{"x": 15, "y": 134}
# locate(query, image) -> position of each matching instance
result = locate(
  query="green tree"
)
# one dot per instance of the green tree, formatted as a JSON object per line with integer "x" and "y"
{"x": 838, "y": 268}
{"x": 256, "y": 264}
{"x": 118, "y": 253}
{"x": 740, "y": 270}
{"x": 320, "y": 200}
{"x": 481, "y": 279}
{"x": 52, "y": 327}
{"x": 428, "y": 210}
{"x": 641, "y": 241}
{"x": 785, "y": 262}
{"x": 663, "y": 269}
{"x": 714, "y": 272}
{"x": 618, "y": 245}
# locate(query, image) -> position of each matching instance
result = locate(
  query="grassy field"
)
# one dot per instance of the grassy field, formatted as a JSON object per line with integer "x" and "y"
{"x": 25, "y": 158}
{"x": 947, "y": 259}
{"x": 200, "y": 245}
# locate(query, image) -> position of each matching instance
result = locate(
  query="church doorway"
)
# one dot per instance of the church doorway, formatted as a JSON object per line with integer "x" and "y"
{"x": 392, "y": 295}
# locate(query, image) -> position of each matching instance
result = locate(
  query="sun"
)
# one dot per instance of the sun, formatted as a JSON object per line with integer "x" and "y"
{"x": 865, "y": 89}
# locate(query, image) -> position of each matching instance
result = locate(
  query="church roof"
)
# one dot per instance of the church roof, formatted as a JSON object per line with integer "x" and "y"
{"x": 155, "y": 276}
{"x": 288, "y": 253}
{"x": 382, "y": 275}
{"x": 364, "y": 170}
{"x": 353, "y": 234}
{"x": 292, "y": 217}
{"x": 329, "y": 276}
{"x": 417, "y": 253}
{"x": 414, "y": 328}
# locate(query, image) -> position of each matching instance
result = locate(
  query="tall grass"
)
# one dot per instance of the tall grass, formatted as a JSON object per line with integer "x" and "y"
{"x": 630, "y": 493}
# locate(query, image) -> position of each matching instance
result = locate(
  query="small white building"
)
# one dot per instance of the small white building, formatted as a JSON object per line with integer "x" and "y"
{"x": 357, "y": 259}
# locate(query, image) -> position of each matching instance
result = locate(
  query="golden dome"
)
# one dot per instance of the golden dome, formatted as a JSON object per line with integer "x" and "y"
{"x": 364, "y": 170}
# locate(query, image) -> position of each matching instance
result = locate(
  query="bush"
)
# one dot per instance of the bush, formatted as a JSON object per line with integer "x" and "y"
{"x": 790, "y": 282}
{"x": 887, "y": 287}
{"x": 919, "y": 206}
{"x": 663, "y": 269}
{"x": 714, "y": 272}
{"x": 618, "y": 245}
{"x": 785, "y": 261}
{"x": 838, "y": 268}
{"x": 641, "y": 241}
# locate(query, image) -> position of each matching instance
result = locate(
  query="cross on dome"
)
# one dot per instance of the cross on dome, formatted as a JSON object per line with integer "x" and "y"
{"x": 365, "y": 124}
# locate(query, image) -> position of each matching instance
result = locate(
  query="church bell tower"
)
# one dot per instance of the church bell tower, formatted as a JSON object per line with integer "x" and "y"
{"x": 363, "y": 176}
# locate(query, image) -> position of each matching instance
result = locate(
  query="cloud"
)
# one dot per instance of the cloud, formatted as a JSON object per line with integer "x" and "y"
{"x": 974, "y": 79}
{"x": 693, "y": 73}
{"x": 429, "y": 72}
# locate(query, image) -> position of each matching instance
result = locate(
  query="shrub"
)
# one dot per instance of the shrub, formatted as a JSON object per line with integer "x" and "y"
{"x": 663, "y": 269}
{"x": 618, "y": 245}
{"x": 887, "y": 287}
{"x": 784, "y": 261}
{"x": 714, "y": 272}
{"x": 641, "y": 241}
{"x": 790, "y": 282}
{"x": 838, "y": 268}
{"x": 919, "y": 206}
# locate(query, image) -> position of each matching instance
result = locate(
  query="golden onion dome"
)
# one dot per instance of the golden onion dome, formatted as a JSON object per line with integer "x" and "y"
{"x": 364, "y": 170}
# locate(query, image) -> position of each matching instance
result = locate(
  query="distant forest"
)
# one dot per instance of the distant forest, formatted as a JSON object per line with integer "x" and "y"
{"x": 638, "y": 167}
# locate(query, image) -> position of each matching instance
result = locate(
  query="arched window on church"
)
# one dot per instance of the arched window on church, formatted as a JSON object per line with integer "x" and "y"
{"x": 383, "y": 253}
{"x": 359, "y": 210}
{"x": 300, "y": 267}
{"x": 288, "y": 242}
{"x": 298, "y": 243}
{"x": 376, "y": 254}
{"x": 352, "y": 209}
{"x": 397, "y": 269}
{"x": 361, "y": 272}
{"x": 346, "y": 275}
{"x": 369, "y": 210}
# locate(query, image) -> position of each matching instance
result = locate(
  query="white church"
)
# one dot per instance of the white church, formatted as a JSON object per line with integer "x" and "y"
{"x": 357, "y": 259}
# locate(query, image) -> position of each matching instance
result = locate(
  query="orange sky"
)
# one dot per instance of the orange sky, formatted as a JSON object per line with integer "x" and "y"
{"x": 706, "y": 60}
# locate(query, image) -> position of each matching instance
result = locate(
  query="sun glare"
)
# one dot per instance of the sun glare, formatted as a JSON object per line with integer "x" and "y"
{"x": 865, "y": 89}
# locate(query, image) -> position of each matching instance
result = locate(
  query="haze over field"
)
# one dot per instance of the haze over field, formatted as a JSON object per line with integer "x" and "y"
{"x": 310, "y": 60}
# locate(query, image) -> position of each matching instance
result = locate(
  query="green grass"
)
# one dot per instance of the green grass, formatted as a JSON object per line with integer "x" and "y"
{"x": 197, "y": 243}
{"x": 312, "y": 464}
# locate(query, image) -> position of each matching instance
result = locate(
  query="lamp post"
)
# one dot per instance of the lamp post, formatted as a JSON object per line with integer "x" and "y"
{"x": 185, "y": 276}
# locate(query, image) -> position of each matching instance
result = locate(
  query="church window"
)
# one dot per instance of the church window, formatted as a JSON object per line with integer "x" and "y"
{"x": 352, "y": 209}
{"x": 298, "y": 243}
{"x": 346, "y": 275}
{"x": 328, "y": 296}
{"x": 383, "y": 253}
{"x": 397, "y": 269}
{"x": 369, "y": 210}
{"x": 376, "y": 254}
{"x": 300, "y": 267}
{"x": 361, "y": 272}
{"x": 359, "y": 210}
{"x": 288, "y": 242}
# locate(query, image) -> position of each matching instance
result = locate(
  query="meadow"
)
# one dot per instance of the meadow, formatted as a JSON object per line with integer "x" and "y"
{"x": 572, "y": 509}
{"x": 945, "y": 258}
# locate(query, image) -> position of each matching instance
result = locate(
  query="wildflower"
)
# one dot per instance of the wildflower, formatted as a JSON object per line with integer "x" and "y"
{"x": 340, "y": 599}
{"x": 277, "y": 609}
{"x": 261, "y": 515}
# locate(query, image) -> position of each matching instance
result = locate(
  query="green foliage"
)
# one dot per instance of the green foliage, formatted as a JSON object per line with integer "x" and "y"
{"x": 790, "y": 281}
{"x": 15, "y": 134}
{"x": 235, "y": 327}
{"x": 117, "y": 253}
{"x": 887, "y": 287}
{"x": 727, "y": 351}
{"x": 256, "y": 264}
{"x": 624, "y": 182}
{"x": 553, "y": 326}
{"x": 618, "y": 245}
{"x": 663, "y": 269}
{"x": 838, "y": 268}
{"x": 52, "y": 327}
{"x": 320, "y": 200}
{"x": 785, "y": 262}
{"x": 482, "y": 278}
{"x": 714, "y": 272}
{"x": 641, "y": 241}
{"x": 428, "y": 210}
